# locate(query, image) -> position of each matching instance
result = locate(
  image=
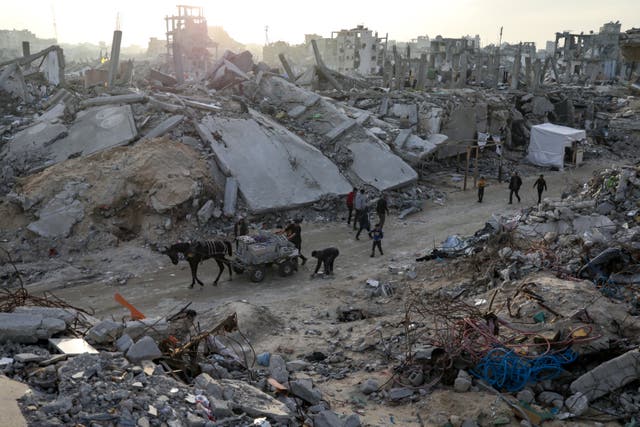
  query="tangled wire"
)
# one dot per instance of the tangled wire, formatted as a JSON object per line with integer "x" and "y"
{"x": 504, "y": 369}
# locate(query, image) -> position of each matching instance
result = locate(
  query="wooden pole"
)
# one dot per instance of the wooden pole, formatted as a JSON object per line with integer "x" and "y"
{"x": 466, "y": 170}
{"x": 500, "y": 164}
{"x": 477, "y": 167}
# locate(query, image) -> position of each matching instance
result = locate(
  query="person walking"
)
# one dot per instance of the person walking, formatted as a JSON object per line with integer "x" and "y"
{"x": 382, "y": 209}
{"x": 482, "y": 182}
{"x": 360, "y": 204}
{"x": 293, "y": 231}
{"x": 240, "y": 228}
{"x": 541, "y": 186}
{"x": 364, "y": 222}
{"x": 376, "y": 234}
{"x": 514, "y": 186}
{"x": 350, "y": 200}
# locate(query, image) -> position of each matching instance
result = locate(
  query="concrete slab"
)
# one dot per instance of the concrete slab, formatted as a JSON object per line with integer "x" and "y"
{"x": 274, "y": 168}
{"x": 36, "y": 137}
{"x": 10, "y": 392}
{"x": 379, "y": 167}
{"x": 405, "y": 110}
{"x": 95, "y": 130}
{"x": 461, "y": 124}
{"x": 373, "y": 161}
{"x": 72, "y": 345}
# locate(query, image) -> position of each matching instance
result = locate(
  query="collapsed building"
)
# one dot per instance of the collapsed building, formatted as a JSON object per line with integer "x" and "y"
{"x": 176, "y": 150}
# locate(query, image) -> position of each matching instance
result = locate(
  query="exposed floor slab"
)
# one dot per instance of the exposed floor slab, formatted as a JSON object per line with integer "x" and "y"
{"x": 275, "y": 168}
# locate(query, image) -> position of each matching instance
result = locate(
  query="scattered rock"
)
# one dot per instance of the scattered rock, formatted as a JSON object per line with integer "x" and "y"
{"x": 144, "y": 349}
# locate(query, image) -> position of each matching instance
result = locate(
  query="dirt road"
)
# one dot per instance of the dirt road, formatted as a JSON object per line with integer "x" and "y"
{"x": 167, "y": 288}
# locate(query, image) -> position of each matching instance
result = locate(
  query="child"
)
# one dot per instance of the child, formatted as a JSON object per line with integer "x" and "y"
{"x": 481, "y": 184}
{"x": 377, "y": 236}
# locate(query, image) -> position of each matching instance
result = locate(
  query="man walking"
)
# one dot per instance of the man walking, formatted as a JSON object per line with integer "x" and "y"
{"x": 541, "y": 185}
{"x": 350, "y": 199}
{"x": 376, "y": 234}
{"x": 481, "y": 184}
{"x": 364, "y": 222}
{"x": 514, "y": 186}
{"x": 382, "y": 209}
{"x": 360, "y": 204}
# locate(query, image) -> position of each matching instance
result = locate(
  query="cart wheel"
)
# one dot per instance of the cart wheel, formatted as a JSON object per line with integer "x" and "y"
{"x": 286, "y": 269}
{"x": 237, "y": 269}
{"x": 257, "y": 275}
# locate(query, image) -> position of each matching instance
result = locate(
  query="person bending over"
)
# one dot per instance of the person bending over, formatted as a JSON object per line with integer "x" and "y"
{"x": 326, "y": 257}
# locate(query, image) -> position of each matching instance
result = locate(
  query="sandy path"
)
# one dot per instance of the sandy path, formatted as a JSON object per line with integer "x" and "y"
{"x": 166, "y": 289}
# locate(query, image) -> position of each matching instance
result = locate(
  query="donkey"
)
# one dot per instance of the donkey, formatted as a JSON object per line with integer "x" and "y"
{"x": 195, "y": 252}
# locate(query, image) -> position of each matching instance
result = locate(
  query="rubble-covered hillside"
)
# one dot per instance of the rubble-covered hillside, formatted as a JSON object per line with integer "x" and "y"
{"x": 479, "y": 313}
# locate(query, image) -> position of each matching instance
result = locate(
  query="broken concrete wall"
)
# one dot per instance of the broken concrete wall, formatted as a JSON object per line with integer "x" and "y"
{"x": 366, "y": 159}
{"x": 275, "y": 169}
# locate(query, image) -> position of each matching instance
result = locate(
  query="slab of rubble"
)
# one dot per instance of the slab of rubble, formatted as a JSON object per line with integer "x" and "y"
{"x": 274, "y": 168}
{"x": 373, "y": 162}
{"x": 95, "y": 129}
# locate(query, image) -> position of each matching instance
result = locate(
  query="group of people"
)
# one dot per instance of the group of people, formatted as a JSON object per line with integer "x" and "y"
{"x": 515, "y": 182}
{"x": 358, "y": 201}
{"x": 358, "y": 211}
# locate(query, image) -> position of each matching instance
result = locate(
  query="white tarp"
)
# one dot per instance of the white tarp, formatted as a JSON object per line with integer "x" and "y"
{"x": 548, "y": 141}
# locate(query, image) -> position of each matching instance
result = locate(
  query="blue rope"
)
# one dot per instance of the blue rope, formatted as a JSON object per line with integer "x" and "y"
{"x": 505, "y": 370}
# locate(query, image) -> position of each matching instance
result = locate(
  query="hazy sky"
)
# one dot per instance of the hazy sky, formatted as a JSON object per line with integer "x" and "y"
{"x": 245, "y": 20}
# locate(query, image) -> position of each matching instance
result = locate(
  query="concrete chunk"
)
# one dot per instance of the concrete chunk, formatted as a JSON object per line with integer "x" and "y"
{"x": 327, "y": 419}
{"x": 245, "y": 398}
{"x": 305, "y": 391}
{"x": 105, "y": 332}
{"x": 278, "y": 369}
{"x": 111, "y": 100}
{"x": 144, "y": 349}
{"x": 123, "y": 343}
{"x": 28, "y": 358}
{"x": 28, "y": 328}
{"x": 206, "y": 212}
{"x": 152, "y": 326}
{"x": 57, "y": 218}
{"x": 164, "y": 126}
{"x": 230, "y": 196}
{"x": 67, "y": 316}
{"x": 609, "y": 376}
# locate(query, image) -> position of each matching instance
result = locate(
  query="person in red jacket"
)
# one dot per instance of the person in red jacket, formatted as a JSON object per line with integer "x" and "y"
{"x": 350, "y": 199}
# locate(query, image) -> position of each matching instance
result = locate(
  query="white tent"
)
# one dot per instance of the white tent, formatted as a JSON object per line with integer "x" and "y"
{"x": 548, "y": 142}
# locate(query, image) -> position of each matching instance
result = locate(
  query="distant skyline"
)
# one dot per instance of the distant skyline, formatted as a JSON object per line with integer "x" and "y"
{"x": 94, "y": 21}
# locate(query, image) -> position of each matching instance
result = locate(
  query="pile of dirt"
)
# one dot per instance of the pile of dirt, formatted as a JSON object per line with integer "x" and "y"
{"x": 126, "y": 191}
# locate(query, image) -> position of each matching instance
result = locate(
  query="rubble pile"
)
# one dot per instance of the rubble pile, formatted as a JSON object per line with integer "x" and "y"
{"x": 151, "y": 371}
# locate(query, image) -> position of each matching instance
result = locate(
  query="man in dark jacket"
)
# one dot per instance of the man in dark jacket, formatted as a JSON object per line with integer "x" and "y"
{"x": 382, "y": 209}
{"x": 350, "y": 200}
{"x": 514, "y": 186}
{"x": 293, "y": 231}
{"x": 240, "y": 229}
{"x": 541, "y": 186}
{"x": 364, "y": 222}
{"x": 326, "y": 257}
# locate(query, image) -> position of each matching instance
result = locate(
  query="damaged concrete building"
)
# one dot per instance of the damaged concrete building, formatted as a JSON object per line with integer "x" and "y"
{"x": 479, "y": 313}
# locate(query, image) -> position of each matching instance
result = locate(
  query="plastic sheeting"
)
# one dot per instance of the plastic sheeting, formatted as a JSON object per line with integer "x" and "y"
{"x": 548, "y": 141}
